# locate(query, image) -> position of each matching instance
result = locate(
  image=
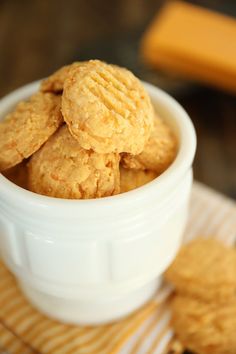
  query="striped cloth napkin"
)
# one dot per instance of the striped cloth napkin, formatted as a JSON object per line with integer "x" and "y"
{"x": 24, "y": 330}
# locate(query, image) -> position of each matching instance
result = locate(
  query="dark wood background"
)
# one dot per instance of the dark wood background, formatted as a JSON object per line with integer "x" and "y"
{"x": 38, "y": 36}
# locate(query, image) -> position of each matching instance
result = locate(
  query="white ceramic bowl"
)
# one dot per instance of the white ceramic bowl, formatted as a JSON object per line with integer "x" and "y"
{"x": 94, "y": 261}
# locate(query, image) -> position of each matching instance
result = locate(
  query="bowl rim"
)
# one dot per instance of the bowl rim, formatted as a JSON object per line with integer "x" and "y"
{"x": 181, "y": 164}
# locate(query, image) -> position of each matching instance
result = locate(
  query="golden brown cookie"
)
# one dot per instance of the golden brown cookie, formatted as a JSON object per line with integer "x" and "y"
{"x": 18, "y": 174}
{"x": 159, "y": 151}
{"x": 106, "y": 108}
{"x": 63, "y": 169}
{"x": 27, "y": 128}
{"x": 206, "y": 328}
{"x": 204, "y": 268}
{"x": 55, "y": 82}
{"x": 131, "y": 179}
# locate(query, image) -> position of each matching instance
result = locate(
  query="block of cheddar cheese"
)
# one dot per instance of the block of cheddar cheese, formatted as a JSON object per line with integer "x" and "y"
{"x": 194, "y": 43}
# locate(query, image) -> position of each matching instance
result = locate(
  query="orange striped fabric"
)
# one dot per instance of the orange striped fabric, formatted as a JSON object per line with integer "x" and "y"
{"x": 23, "y": 330}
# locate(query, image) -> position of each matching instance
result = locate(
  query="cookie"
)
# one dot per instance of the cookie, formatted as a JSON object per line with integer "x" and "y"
{"x": 63, "y": 169}
{"x": 131, "y": 179}
{"x": 159, "y": 151}
{"x": 18, "y": 174}
{"x": 27, "y": 128}
{"x": 106, "y": 108}
{"x": 206, "y": 328}
{"x": 55, "y": 82}
{"x": 206, "y": 269}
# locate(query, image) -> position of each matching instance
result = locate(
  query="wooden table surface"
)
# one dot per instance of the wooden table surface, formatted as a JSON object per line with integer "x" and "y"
{"x": 38, "y": 36}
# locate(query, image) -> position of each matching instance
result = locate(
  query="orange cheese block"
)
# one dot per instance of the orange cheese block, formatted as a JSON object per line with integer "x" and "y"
{"x": 193, "y": 42}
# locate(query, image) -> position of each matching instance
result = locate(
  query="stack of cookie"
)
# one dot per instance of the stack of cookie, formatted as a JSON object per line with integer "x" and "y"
{"x": 89, "y": 132}
{"x": 204, "y": 306}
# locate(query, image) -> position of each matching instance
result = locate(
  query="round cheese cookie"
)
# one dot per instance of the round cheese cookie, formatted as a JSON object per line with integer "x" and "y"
{"x": 159, "y": 151}
{"x": 27, "y": 128}
{"x": 106, "y": 108}
{"x": 131, "y": 179}
{"x": 63, "y": 169}
{"x": 204, "y": 327}
{"x": 55, "y": 82}
{"x": 206, "y": 269}
{"x": 18, "y": 174}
